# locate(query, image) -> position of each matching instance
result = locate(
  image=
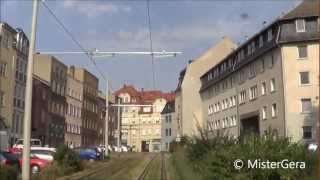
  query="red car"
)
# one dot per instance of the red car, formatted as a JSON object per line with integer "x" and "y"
{"x": 36, "y": 164}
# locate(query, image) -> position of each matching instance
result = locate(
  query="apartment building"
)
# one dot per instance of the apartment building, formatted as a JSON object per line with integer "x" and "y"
{"x": 190, "y": 85}
{"x": 270, "y": 81}
{"x": 21, "y": 61}
{"x": 74, "y": 96}
{"x": 141, "y": 117}
{"x": 7, "y": 71}
{"x": 90, "y": 117}
{"x": 169, "y": 126}
{"x": 50, "y": 69}
{"x": 40, "y": 117}
{"x": 14, "y": 46}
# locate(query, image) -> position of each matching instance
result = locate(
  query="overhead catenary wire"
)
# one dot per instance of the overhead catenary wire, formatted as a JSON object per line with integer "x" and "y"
{"x": 68, "y": 32}
{"x": 151, "y": 44}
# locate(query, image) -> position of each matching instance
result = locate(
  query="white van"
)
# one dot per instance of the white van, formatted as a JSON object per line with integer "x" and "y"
{"x": 33, "y": 143}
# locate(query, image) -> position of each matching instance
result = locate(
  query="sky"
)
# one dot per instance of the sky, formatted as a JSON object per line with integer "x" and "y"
{"x": 189, "y": 26}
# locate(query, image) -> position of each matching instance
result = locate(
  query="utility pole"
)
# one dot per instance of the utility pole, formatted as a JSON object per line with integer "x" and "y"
{"x": 119, "y": 125}
{"x": 106, "y": 134}
{"x": 28, "y": 95}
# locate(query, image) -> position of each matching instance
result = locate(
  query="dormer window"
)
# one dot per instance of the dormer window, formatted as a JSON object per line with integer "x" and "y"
{"x": 300, "y": 25}
{"x": 261, "y": 41}
{"x": 270, "y": 35}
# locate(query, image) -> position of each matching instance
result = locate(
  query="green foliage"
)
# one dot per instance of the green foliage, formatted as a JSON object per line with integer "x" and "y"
{"x": 67, "y": 160}
{"x": 212, "y": 158}
{"x": 8, "y": 173}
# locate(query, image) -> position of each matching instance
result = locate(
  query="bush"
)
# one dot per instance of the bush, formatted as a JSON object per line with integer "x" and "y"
{"x": 213, "y": 157}
{"x": 8, "y": 173}
{"x": 67, "y": 160}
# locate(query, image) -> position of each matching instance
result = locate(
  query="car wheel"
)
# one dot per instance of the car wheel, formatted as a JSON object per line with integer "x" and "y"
{"x": 35, "y": 169}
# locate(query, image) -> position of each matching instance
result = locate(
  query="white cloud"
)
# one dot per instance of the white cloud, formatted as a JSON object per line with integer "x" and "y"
{"x": 92, "y": 9}
{"x": 171, "y": 38}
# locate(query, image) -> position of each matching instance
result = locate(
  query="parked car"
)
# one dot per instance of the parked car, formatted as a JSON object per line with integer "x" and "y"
{"x": 6, "y": 158}
{"x": 89, "y": 153}
{"x": 36, "y": 164}
{"x": 43, "y": 152}
{"x": 14, "y": 150}
{"x": 121, "y": 149}
{"x": 33, "y": 143}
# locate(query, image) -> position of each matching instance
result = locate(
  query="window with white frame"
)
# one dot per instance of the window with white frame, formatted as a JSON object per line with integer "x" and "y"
{"x": 272, "y": 85}
{"x": 234, "y": 100}
{"x": 300, "y": 25}
{"x": 306, "y": 105}
{"x": 263, "y": 88}
{"x": 274, "y": 110}
{"x": 302, "y": 52}
{"x": 242, "y": 97}
{"x": 304, "y": 78}
{"x": 253, "y": 92}
{"x": 264, "y": 112}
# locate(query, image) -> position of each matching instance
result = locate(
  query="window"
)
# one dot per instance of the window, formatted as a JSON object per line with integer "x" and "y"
{"x": 3, "y": 68}
{"x": 1, "y": 98}
{"x": 252, "y": 71}
{"x": 274, "y": 110}
{"x": 242, "y": 97}
{"x": 264, "y": 112}
{"x": 253, "y": 92}
{"x": 271, "y": 60}
{"x": 300, "y": 25}
{"x": 242, "y": 76}
{"x": 261, "y": 41}
{"x": 262, "y": 65}
{"x": 270, "y": 35}
{"x": 306, "y": 105}
{"x": 272, "y": 85}
{"x": 263, "y": 88}
{"x": 302, "y": 52}
{"x": 304, "y": 77}
{"x": 307, "y": 132}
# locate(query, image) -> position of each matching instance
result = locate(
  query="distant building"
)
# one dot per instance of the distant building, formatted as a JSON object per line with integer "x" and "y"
{"x": 14, "y": 46}
{"x": 74, "y": 97}
{"x": 90, "y": 117}
{"x": 112, "y": 119}
{"x": 169, "y": 126}
{"x": 141, "y": 125}
{"x": 41, "y": 116}
{"x": 53, "y": 71}
{"x": 188, "y": 98}
{"x": 270, "y": 81}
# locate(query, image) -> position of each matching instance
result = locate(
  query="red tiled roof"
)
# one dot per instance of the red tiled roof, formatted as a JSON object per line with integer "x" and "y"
{"x": 145, "y": 96}
{"x": 127, "y": 89}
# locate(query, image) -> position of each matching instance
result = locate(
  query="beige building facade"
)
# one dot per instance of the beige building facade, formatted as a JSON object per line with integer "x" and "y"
{"x": 74, "y": 109}
{"x": 7, "y": 72}
{"x": 269, "y": 82}
{"x": 141, "y": 118}
{"x": 190, "y": 102}
{"x": 14, "y": 47}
